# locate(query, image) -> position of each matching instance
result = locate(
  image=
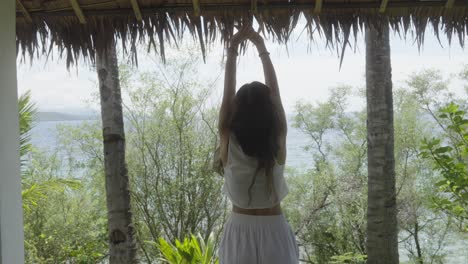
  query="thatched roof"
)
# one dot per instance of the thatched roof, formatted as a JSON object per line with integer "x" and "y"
{"x": 74, "y": 25}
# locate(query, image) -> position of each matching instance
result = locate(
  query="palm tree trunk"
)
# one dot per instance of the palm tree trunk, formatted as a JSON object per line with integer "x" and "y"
{"x": 122, "y": 246}
{"x": 382, "y": 231}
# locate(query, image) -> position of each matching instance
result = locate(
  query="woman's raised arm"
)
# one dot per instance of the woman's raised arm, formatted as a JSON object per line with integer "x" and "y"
{"x": 272, "y": 82}
{"x": 229, "y": 88}
{"x": 230, "y": 79}
{"x": 229, "y": 93}
{"x": 268, "y": 69}
{"x": 270, "y": 77}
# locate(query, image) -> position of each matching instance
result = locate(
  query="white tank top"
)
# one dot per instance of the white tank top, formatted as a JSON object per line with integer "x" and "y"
{"x": 238, "y": 175}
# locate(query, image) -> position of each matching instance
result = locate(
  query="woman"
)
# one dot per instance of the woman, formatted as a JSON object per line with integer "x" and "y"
{"x": 252, "y": 127}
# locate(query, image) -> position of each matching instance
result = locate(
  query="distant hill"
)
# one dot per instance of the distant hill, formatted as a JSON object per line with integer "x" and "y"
{"x": 56, "y": 116}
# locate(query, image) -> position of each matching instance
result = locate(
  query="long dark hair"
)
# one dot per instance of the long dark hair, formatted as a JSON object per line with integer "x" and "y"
{"x": 255, "y": 124}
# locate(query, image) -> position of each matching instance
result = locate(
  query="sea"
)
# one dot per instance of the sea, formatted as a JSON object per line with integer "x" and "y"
{"x": 44, "y": 137}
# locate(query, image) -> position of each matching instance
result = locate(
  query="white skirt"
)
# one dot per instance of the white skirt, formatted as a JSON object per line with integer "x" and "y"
{"x": 251, "y": 239}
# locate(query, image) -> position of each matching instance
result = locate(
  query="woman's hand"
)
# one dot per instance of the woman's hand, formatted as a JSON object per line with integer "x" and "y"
{"x": 257, "y": 40}
{"x": 248, "y": 33}
{"x": 241, "y": 35}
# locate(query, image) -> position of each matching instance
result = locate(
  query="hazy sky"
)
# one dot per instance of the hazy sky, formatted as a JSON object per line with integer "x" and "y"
{"x": 304, "y": 71}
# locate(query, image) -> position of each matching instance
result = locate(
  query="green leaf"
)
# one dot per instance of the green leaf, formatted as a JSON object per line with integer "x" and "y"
{"x": 443, "y": 149}
{"x": 441, "y": 183}
{"x": 458, "y": 210}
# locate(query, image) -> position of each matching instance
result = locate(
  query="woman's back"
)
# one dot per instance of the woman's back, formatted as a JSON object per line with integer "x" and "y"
{"x": 255, "y": 239}
{"x": 241, "y": 174}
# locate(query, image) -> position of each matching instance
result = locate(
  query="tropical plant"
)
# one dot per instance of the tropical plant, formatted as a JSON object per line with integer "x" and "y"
{"x": 54, "y": 219}
{"x": 192, "y": 250}
{"x": 327, "y": 204}
{"x": 27, "y": 112}
{"x": 66, "y": 224}
{"x": 350, "y": 258}
{"x": 450, "y": 158}
{"x": 171, "y": 140}
{"x": 33, "y": 192}
{"x": 415, "y": 184}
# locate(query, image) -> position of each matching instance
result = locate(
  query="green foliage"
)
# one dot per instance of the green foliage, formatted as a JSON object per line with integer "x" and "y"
{"x": 36, "y": 192}
{"x": 27, "y": 113}
{"x": 450, "y": 159}
{"x": 192, "y": 250}
{"x": 415, "y": 180}
{"x": 326, "y": 205}
{"x": 429, "y": 87}
{"x": 67, "y": 221}
{"x": 61, "y": 223}
{"x": 349, "y": 257}
{"x": 171, "y": 134}
{"x": 171, "y": 137}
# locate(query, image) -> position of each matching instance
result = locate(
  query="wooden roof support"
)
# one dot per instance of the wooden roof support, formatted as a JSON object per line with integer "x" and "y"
{"x": 449, "y": 3}
{"x": 196, "y": 7}
{"x": 136, "y": 10}
{"x": 383, "y": 6}
{"x": 296, "y": 6}
{"x": 78, "y": 11}
{"x": 318, "y": 6}
{"x": 254, "y": 6}
{"x": 25, "y": 12}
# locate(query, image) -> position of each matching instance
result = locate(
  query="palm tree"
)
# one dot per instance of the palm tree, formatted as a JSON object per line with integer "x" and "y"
{"x": 27, "y": 112}
{"x": 122, "y": 246}
{"x": 30, "y": 194}
{"x": 382, "y": 243}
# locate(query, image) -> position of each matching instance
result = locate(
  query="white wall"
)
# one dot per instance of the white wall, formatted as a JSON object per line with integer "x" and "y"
{"x": 11, "y": 215}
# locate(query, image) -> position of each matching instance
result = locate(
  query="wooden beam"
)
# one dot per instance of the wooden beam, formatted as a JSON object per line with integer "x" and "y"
{"x": 196, "y": 7}
{"x": 78, "y": 11}
{"x": 136, "y": 10}
{"x": 243, "y": 7}
{"x": 254, "y": 6}
{"x": 383, "y": 6}
{"x": 449, "y": 3}
{"x": 318, "y": 6}
{"x": 25, "y": 12}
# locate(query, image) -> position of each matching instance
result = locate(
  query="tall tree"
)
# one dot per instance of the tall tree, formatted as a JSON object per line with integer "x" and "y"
{"x": 122, "y": 246}
{"x": 382, "y": 231}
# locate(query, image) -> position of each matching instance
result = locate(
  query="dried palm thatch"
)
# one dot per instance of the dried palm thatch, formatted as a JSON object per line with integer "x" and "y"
{"x": 73, "y": 26}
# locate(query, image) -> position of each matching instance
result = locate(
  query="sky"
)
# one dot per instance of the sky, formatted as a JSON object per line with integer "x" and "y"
{"x": 306, "y": 71}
